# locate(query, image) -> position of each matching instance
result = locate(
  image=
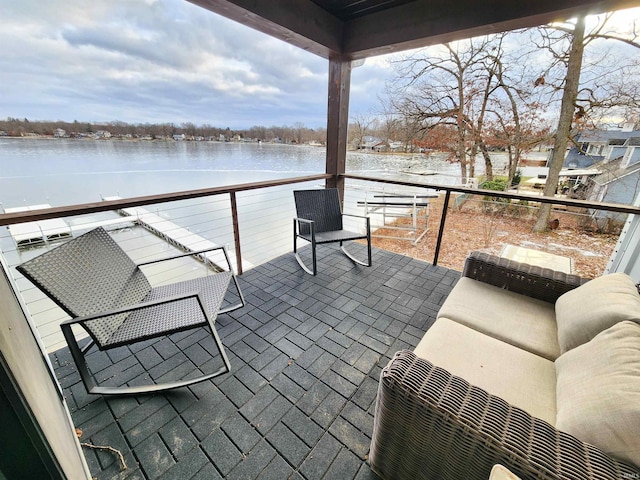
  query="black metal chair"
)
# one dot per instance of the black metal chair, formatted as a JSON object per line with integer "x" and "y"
{"x": 320, "y": 220}
{"x": 94, "y": 281}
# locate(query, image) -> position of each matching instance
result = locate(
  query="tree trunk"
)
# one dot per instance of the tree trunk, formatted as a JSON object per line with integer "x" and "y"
{"x": 514, "y": 155}
{"x": 487, "y": 161}
{"x": 563, "y": 131}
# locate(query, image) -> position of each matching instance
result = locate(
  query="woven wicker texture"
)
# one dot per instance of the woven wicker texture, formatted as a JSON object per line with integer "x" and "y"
{"x": 541, "y": 283}
{"x": 321, "y": 206}
{"x": 174, "y": 316}
{"x": 87, "y": 275}
{"x": 430, "y": 424}
{"x": 92, "y": 274}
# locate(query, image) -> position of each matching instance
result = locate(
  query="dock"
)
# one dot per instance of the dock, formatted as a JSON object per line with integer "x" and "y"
{"x": 395, "y": 207}
{"x": 44, "y": 231}
{"x": 31, "y": 233}
{"x": 178, "y": 236}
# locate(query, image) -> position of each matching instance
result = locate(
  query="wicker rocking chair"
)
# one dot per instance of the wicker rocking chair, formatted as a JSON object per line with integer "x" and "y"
{"x": 95, "y": 282}
{"x": 319, "y": 220}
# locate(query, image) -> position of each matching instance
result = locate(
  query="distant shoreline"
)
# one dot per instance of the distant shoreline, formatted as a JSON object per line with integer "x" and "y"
{"x": 168, "y": 139}
{"x": 115, "y": 138}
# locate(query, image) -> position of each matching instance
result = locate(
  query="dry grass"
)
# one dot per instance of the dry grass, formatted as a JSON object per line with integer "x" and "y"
{"x": 472, "y": 228}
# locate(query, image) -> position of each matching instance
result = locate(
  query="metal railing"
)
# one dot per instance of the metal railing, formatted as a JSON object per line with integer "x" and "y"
{"x": 566, "y": 202}
{"x": 253, "y": 220}
{"x": 232, "y": 192}
{"x": 7, "y": 219}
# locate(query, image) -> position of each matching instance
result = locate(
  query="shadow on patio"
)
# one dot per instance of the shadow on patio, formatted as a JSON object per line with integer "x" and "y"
{"x": 306, "y": 354}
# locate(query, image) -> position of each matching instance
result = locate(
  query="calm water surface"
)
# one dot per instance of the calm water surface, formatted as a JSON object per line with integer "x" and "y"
{"x": 65, "y": 171}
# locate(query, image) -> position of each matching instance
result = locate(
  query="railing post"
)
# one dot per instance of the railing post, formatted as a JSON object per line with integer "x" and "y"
{"x": 441, "y": 231}
{"x": 236, "y": 232}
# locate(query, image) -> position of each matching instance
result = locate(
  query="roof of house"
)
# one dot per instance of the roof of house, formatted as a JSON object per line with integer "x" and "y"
{"x": 575, "y": 159}
{"x": 613, "y": 172}
{"x": 612, "y": 137}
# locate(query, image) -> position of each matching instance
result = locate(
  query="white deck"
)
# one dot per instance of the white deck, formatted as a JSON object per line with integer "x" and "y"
{"x": 42, "y": 231}
{"x": 37, "y": 232}
{"x": 179, "y": 236}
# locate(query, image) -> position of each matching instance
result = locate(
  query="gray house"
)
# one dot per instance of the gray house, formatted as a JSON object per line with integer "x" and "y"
{"x": 616, "y": 155}
{"x": 598, "y": 145}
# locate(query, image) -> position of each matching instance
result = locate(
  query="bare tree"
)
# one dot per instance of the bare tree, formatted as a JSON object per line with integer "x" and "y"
{"x": 257, "y": 132}
{"x": 189, "y": 129}
{"x": 452, "y": 88}
{"x": 569, "y": 95}
{"x": 516, "y": 124}
{"x": 388, "y": 122}
{"x": 298, "y": 131}
{"x": 359, "y": 128}
{"x": 580, "y": 103}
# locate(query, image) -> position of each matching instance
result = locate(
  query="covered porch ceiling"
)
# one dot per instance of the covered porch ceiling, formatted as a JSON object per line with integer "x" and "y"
{"x": 356, "y": 29}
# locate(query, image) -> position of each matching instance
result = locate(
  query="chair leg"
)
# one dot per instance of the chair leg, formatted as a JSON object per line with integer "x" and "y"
{"x": 369, "y": 242}
{"x": 87, "y": 379}
{"x": 354, "y": 259}
{"x": 78, "y": 357}
{"x": 231, "y": 308}
{"x": 313, "y": 271}
{"x": 314, "y": 255}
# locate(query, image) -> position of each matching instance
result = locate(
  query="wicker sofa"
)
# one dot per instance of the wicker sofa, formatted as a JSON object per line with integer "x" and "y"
{"x": 526, "y": 367}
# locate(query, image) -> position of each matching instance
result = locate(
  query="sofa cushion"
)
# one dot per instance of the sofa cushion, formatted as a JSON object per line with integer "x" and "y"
{"x": 521, "y": 378}
{"x": 598, "y": 392}
{"x": 519, "y": 320}
{"x": 499, "y": 472}
{"x": 584, "y": 312}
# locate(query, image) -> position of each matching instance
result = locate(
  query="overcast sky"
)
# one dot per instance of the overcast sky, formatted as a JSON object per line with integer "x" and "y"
{"x": 160, "y": 61}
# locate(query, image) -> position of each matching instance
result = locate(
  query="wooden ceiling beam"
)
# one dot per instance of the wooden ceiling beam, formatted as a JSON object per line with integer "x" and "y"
{"x": 409, "y": 25}
{"x": 430, "y": 22}
{"x": 299, "y": 22}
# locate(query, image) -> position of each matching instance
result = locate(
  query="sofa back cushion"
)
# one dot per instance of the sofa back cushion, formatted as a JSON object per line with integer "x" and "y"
{"x": 584, "y": 312}
{"x": 598, "y": 392}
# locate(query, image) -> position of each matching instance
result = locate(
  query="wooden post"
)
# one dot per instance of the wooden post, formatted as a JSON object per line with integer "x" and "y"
{"x": 338, "y": 120}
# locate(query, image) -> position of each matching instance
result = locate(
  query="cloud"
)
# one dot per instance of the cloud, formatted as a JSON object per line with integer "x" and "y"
{"x": 368, "y": 85}
{"x": 163, "y": 61}
{"x": 156, "y": 61}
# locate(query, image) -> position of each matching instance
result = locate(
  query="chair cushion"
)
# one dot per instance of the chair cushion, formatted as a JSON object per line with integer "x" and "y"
{"x": 516, "y": 319}
{"x": 584, "y": 312}
{"x": 598, "y": 392}
{"x": 498, "y": 472}
{"x": 521, "y": 378}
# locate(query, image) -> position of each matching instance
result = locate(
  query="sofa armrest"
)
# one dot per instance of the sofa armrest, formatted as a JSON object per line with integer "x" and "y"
{"x": 541, "y": 283}
{"x": 432, "y": 425}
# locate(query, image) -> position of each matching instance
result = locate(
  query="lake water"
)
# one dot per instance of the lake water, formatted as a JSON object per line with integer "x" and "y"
{"x": 65, "y": 171}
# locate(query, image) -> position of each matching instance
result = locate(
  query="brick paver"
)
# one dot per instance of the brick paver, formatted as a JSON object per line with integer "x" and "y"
{"x": 306, "y": 354}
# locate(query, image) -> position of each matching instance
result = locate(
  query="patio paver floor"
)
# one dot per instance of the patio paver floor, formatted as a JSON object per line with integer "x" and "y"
{"x": 306, "y": 354}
